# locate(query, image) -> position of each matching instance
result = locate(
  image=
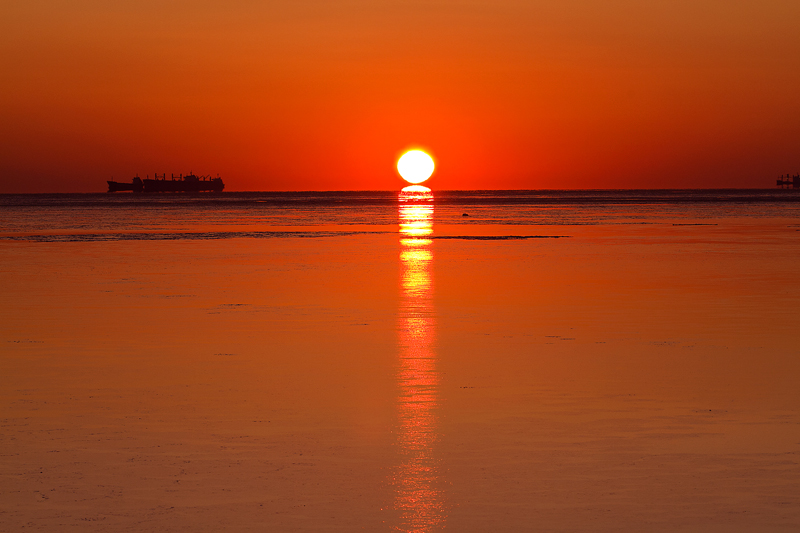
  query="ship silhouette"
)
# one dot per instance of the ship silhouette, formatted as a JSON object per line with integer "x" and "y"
{"x": 188, "y": 183}
{"x": 789, "y": 181}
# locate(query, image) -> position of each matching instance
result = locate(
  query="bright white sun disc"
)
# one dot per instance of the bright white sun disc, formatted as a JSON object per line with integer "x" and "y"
{"x": 415, "y": 166}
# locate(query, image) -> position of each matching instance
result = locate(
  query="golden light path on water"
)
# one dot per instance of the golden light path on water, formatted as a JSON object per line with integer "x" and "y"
{"x": 418, "y": 496}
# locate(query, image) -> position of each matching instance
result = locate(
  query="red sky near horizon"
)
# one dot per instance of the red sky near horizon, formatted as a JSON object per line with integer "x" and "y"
{"x": 321, "y": 95}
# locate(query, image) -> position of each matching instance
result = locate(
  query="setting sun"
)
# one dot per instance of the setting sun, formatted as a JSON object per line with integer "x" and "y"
{"x": 415, "y": 166}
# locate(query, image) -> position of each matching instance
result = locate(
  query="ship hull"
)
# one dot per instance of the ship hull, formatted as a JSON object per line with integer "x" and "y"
{"x": 116, "y": 186}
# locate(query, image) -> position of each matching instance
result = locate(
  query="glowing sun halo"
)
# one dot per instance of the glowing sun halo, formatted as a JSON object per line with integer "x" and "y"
{"x": 415, "y": 166}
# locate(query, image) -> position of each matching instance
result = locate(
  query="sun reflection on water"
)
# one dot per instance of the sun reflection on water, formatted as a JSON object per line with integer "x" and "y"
{"x": 418, "y": 496}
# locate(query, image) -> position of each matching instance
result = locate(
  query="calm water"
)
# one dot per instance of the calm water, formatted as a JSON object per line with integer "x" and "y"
{"x": 464, "y": 361}
{"x": 127, "y": 216}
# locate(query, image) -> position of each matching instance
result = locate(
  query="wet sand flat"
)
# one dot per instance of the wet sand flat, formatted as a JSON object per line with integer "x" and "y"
{"x": 625, "y": 377}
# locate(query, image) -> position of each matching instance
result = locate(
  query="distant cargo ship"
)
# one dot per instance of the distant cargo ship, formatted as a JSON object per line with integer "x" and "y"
{"x": 789, "y": 181}
{"x": 189, "y": 183}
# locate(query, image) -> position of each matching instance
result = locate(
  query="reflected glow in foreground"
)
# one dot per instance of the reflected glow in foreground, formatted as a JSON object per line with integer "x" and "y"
{"x": 418, "y": 496}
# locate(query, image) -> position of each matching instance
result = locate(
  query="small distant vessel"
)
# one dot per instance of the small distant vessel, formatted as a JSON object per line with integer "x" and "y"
{"x": 188, "y": 183}
{"x": 789, "y": 181}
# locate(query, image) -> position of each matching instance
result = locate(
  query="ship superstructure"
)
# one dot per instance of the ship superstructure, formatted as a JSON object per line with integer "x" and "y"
{"x": 788, "y": 181}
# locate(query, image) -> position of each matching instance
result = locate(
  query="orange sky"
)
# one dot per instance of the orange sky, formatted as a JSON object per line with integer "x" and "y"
{"x": 319, "y": 94}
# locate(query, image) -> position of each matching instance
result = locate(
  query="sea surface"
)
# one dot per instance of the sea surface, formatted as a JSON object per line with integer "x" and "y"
{"x": 410, "y": 361}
